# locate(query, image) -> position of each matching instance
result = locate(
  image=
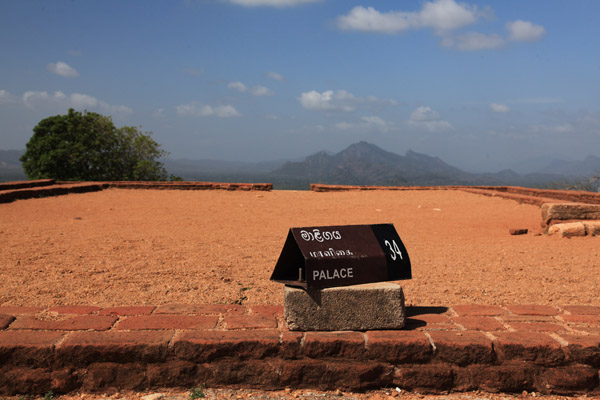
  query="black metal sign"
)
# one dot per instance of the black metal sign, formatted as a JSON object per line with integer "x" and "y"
{"x": 327, "y": 256}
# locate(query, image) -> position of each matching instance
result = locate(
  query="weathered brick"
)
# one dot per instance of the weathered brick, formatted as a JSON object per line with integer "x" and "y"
{"x": 479, "y": 310}
{"x": 334, "y": 344}
{"x": 83, "y": 322}
{"x": 113, "y": 377}
{"x": 463, "y": 348}
{"x": 18, "y": 310}
{"x": 429, "y": 321}
{"x": 173, "y": 373}
{"x": 267, "y": 310}
{"x": 236, "y": 373}
{"x": 439, "y": 327}
{"x": 583, "y": 349}
{"x": 514, "y": 377}
{"x": 479, "y": 323}
{"x": 82, "y": 348}
{"x": 28, "y": 347}
{"x": 528, "y": 318}
{"x": 81, "y": 310}
{"x": 429, "y": 318}
{"x": 568, "y": 379}
{"x": 424, "y": 378}
{"x": 568, "y": 230}
{"x": 594, "y": 330}
{"x": 202, "y": 309}
{"x": 15, "y": 380}
{"x": 335, "y": 374}
{"x": 535, "y": 347}
{"x": 250, "y": 322}
{"x": 567, "y": 211}
{"x": 533, "y": 310}
{"x": 127, "y": 310}
{"x": 399, "y": 347}
{"x": 145, "y": 322}
{"x": 580, "y": 310}
{"x": 291, "y": 343}
{"x": 581, "y": 319}
{"x": 5, "y": 320}
{"x": 205, "y": 346}
{"x": 536, "y": 327}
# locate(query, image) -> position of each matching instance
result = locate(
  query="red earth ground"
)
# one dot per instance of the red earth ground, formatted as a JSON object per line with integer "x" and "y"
{"x": 134, "y": 247}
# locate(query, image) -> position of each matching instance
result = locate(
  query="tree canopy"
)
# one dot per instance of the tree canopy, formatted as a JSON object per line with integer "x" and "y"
{"x": 88, "y": 147}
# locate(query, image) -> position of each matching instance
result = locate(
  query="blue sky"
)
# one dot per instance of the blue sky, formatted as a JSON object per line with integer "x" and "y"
{"x": 484, "y": 85}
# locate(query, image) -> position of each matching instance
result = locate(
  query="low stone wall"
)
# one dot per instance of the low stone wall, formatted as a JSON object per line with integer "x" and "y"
{"x": 192, "y": 185}
{"x": 320, "y": 187}
{"x": 25, "y": 184}
{"x": 11, "y": 191}
{"x": 517, "y": 193}
{"x": 542, "y": 348}
{"x": 7, "y": 196}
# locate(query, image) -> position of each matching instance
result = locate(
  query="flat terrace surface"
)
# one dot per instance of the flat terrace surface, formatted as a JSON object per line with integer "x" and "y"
{"x": 123, "y": 247}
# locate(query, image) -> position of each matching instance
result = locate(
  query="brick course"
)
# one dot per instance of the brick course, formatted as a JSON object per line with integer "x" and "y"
{"x": 548, "y": 349}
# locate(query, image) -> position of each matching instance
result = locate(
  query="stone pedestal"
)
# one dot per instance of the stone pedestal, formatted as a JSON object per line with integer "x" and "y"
{"x": 371, "y": 306}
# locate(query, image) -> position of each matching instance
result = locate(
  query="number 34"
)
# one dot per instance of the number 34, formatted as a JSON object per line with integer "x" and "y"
{"x": 394, "y": 249}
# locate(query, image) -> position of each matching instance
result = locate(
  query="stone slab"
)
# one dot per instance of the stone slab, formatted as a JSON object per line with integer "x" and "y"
{"x": 371, "y": 306}
{"x": 570, "y": 229}
{"x": 569, "y": 211}
{"x": 592, "y": 228}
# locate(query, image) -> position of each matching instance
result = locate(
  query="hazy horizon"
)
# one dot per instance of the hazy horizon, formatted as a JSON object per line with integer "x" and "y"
{"x": 482, "y": 85}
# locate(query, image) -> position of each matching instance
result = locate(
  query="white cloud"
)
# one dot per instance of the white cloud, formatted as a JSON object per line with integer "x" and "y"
{"x": 499, "y": 108}
{"x": 560, "y": 129}
{"x": 6, "y": 97}
{"x": 239, "y": 86}
{"x": 197, "y": 110}
{"x": 370, "y": 20}
{"x": 83, "y": 100}
{"x": 261, "y": 91}
{"x": 275, "y": 76}
{"x": 525, "y": 31}
{"x": 62, "y": 69}
{"x": 474, "y": 41}
{"x": 34, "y": 98}
{"x": 428, "y": 119}
{"x": 117, "y": 109}
{"x": 344, "y": 126}
{"x": 445, "y": 15}
{"x": 340, "y": 100}
{"x": 439, "y": 15}
{"x": 375, "y": 122}
{"x": 424, "y": 114}
{"x": 328, "y": 101}
{"x": 271, "y": 3}
{"x": 255, "y": 90}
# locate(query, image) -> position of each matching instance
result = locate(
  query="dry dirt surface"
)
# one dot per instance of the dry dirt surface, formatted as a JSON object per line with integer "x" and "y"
{"x": 134, "y": 247}
{"x": 385, "y": 394}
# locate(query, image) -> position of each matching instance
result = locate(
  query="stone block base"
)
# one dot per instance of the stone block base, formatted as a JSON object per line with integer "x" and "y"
{"x": 371, "y": 306}
{"x": 557, "y": 212}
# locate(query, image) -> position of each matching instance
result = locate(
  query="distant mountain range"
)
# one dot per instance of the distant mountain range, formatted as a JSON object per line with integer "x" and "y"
{"x": 359, "y": 164}
{"x": 366, "y": 164}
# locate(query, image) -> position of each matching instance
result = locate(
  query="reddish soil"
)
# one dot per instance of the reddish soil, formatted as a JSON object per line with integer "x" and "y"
{"x": 133, "y": 247}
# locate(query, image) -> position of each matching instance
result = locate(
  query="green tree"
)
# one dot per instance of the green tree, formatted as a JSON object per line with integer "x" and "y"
{"x": 88, "y": 147}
